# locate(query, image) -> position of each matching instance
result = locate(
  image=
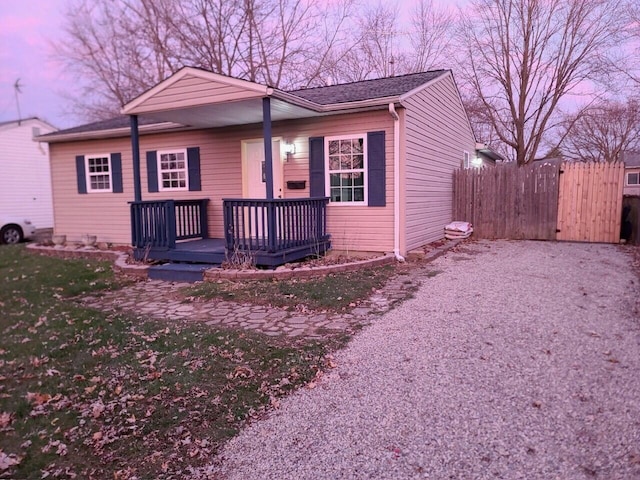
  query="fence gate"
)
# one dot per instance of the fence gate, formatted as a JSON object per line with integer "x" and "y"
{"x": 590, "y": 202}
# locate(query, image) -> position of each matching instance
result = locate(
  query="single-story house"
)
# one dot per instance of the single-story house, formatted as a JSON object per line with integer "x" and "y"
{"x": 243, "y": 167}
{"x": 25, "y": 183}
{"x": 631, "y": 173}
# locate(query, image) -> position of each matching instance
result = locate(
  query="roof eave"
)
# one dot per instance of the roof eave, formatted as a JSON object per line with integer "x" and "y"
{"x": 110, "y": 133}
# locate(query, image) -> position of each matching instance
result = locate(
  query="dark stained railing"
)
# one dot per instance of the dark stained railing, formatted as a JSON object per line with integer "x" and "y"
{"x": 274, "y": 225}
{"x": 160, "y": 223}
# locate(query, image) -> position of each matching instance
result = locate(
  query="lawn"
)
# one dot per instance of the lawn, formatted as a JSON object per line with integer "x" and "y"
{"x": 85, "y": 394}
{"x": 336, "y": 291}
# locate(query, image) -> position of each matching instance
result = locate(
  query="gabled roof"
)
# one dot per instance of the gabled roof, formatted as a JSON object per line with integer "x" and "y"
{"x": 196, "y": 98}
{"x": 367, "y": 89}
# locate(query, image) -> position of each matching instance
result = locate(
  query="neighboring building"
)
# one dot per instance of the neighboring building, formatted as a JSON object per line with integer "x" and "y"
{"x": 631, "y": 173}
{"x": 25, "y": 180}
{"x": 485, "y": 157}
{"x": 381, "y": 151}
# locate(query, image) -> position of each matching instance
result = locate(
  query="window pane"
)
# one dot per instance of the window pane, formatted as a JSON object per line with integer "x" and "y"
{"x": 358, "y": 161}
{"x": 358, "y": 145}
{"x": 345, "y": 162}
{"x": 335, "y": 194}
{"x": 334, "y": 180}
{"x": 347, "y": 195}
{"x": 333, "y": 147}
{"x": 346, "y": 180}
{"x": 358, "y": 179}
{"x": 358, "y": 194}
{"x": 345, "y": 146}
{"x": 633, "y": 178}
{"x": 334, "y": 163}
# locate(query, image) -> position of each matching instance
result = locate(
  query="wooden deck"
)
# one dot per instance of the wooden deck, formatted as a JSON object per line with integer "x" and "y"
{"x": 261, "y": 232}
{"x": 212, "y": 251}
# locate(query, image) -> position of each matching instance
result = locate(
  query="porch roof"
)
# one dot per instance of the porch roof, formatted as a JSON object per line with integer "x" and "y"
{"x": 196, "y": 98}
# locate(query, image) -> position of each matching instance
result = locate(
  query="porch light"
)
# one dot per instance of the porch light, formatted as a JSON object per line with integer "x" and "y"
{"x": 289, "y": 150}
{"x": 476, "y": 161}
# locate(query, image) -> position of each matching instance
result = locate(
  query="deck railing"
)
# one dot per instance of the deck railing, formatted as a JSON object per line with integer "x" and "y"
{"x": 274, "y": 225}
{"x": 160, "y": 223}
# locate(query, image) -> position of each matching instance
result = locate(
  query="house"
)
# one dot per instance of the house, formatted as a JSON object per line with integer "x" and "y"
{"x": 25, "y": 183}
{"x": 238, "y": 167}
{"x": 631, "y": 173}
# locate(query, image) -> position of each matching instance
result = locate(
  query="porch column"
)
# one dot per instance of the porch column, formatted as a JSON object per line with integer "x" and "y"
{"x": 135, "y": 151}
{"x": 268, "y": 153}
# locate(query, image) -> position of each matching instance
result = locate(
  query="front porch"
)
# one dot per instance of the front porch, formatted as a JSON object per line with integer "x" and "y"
{"x": 260, "y": 232}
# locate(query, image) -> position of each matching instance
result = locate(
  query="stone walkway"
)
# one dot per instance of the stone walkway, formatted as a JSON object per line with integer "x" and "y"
{"x": 164, "y": 300}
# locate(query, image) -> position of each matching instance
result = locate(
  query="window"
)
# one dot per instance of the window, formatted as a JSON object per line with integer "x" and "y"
{"x": 465, "y": 162}
{"x": 633, "y": 178}
{"x": 172, "y": 170}
{"x": 346, "y": 169}
{"x": 98, "y": 173}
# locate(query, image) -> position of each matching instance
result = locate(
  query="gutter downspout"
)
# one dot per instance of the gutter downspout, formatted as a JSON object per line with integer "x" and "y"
{"x": 396, "y": 182}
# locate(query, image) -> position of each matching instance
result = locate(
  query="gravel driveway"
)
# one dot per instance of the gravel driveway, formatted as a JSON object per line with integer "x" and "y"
{"x": 517, "y": 360}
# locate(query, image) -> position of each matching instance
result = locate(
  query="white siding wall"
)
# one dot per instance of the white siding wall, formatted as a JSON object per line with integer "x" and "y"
{"x": 436, "y": 135}
{"x": 25, "y": 179}
{"x": 631, "y": 189}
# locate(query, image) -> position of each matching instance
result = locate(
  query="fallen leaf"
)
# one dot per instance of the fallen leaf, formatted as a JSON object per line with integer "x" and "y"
{"x": 8, "y": 461}
{"x": 5, "y": 419}
{"x": 38, "y": 398}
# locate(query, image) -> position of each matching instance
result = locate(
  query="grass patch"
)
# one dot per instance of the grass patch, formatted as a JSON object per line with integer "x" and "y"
{"x": 336, "y": 291}
{"x": 86, "y": 394}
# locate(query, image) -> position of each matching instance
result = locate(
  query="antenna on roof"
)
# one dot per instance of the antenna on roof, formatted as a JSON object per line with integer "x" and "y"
{"x": 16, "y": 91}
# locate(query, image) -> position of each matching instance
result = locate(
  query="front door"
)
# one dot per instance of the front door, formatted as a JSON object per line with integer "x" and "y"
{"x": 254, "y": 178}
{"x": 254, "y": 185}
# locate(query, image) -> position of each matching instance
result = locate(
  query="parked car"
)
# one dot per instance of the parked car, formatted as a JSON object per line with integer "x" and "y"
{"x": 13, "y": 230}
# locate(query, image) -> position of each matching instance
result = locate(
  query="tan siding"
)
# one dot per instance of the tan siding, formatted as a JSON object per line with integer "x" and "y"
{"x": 107, "y": 214}
{"x": 193, "y": 91}
{"x": 437, "y": 133}
{"x": 352, "y": 228}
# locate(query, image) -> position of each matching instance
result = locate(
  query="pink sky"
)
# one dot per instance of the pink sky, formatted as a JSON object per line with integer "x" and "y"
{"x": 27, "y": 28}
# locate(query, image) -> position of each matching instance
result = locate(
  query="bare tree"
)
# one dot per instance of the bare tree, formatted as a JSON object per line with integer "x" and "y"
{"x": 431, "y": 38}
{"x": 525, "y": 56}
{"x": 603, "y": 132}
{"x": 122, "y": 47}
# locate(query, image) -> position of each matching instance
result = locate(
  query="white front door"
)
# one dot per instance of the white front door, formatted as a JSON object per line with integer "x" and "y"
{"x": 254, "y": 180}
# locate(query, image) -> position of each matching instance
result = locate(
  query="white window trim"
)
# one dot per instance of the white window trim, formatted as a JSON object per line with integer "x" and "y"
{"x": 327, "y": 181}
{"x": 626, "y": 179}
{"x": 186, "y": 170}
{"x": 87, "y": 175}
{"x": 466, "y": 160}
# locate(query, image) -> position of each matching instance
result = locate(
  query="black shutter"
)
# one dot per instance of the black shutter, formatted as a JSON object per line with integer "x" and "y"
{"x": 193, "y": 159}
{"x": 116, "y": 173}
{"x": 376, "y": 169}
{"x": 81, "y": 174}
{"x": 152, "y": 171}
{"x": 316, "y": 167}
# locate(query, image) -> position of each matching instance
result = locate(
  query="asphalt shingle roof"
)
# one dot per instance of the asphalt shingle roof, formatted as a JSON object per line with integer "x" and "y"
{"x": 366, "y": 89}
{"x": 122, "y": 121}
{"x": 328, "y": 95}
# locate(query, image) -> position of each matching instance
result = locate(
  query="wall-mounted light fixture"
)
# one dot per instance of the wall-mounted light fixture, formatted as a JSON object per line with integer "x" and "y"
{"x": 477, "y": 162}
{"x": 289, "y": 150}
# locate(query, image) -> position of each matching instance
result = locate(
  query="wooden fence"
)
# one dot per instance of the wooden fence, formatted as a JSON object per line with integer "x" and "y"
{"x": 548, "y": 201}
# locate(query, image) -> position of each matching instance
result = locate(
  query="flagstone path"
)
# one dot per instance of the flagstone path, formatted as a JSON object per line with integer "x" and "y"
{"x": 164, "y": 300}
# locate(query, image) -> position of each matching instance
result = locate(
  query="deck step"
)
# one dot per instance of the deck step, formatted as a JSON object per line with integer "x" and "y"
{"x": 178, "y": 272}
